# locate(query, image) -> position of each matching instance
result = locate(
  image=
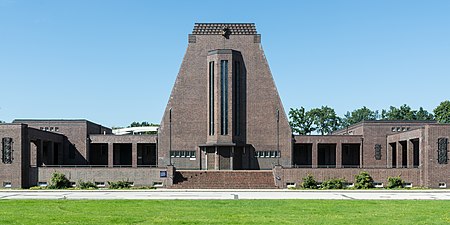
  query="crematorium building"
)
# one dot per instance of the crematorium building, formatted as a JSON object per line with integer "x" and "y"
{"x": 224, "y": 126}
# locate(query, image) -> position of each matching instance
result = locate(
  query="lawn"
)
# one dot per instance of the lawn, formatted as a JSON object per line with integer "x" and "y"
{"x": 223, "y": 212}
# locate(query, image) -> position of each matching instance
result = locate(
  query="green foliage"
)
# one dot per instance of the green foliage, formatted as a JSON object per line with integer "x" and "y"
{"x": 86, "y": 185}
{"x": 59, "y": 181}
{"x": 406, "y": 113}
{"x": 442, "y": 112}
{"x": 359, "y": 115}
{"x": 323, "y": 120}
{"x": 144, "y": 124}
{"x": 309, "y": 182}
{"x": 334, "y": 183}
{"x": 301, "y": 121}
{"x": 119, "y": 184}
{"x": 395, "y": 182}
{"x": 363, "y": 181}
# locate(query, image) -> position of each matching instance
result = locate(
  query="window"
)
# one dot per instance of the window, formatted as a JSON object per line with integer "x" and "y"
{"x": 408, "y": 185}
{"x": 56, "y": 129}
{"x": 42, "y": 184}
{"x": 211, "y": 98}
{"x": 237, "y": 75}
{"x": 100, "y": 184}
{"x": 7, "y": 184}
{"x": 378, "y": 184}
{"x": 224, "y": 97}
{"x": 442, "y": 185}
{"x": 267, "y": 154}
{"x": 182, "y": 154}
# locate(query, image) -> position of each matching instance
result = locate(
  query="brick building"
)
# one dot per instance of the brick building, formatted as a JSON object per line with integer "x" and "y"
{"x": 224, "y": 126}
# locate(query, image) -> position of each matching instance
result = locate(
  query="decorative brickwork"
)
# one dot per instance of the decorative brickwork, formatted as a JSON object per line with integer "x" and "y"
{"x": 220, "y": 28}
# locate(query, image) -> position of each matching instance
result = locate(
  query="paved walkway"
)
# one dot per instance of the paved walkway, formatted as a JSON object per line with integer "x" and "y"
{"x": 229, "y": 194}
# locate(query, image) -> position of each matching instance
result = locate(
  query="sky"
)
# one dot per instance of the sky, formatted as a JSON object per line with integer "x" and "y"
{"x": 115, "y": 62}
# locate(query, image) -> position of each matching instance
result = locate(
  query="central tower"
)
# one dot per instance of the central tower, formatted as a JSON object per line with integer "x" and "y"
{"x": 224, "y": 109}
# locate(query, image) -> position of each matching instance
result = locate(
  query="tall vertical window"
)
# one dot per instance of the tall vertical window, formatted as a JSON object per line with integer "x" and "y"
{"x": 236, "y": 82}
{"x": 224, "y": 97}
{"x": 211, "y": 98}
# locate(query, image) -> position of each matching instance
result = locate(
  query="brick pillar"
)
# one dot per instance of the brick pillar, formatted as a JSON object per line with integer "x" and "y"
{"x": 410, "y": 150}
{"x": 110, "y": 154}
{"x": 339, "y": 154}
{"x": 40, "y": 152}
{"x": 134, "y": 155}
{"x": 399, "y": 154}
{"x": 388, "y": 156}
{"x": 216, "y": 158}
{"x": 33, "y": 153}
{"x": 231, "y": 158}
{"x": 314, "y": 159}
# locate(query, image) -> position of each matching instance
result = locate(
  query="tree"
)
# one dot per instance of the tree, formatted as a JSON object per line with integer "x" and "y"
{"x": 402, "y": 113}
{"x": 406, "y": 113}
{"x": 301, "y": 121}
{"x": 325, "y": 119}
{"x": 442, "y": 112}
{"x": 358, "y": 115}
{"x": 424, "y": 115}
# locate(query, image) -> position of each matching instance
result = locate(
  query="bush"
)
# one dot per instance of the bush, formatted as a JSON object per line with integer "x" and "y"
{"x": 309, "y": 182}
{"x": 334, "y": 183}
{"x": 86, "y": 185}
{"x": 119, "y": 184}
{"x": 395, "y": 182}
{"x": 59, "y": 181}
{"x": 363, "y": 181}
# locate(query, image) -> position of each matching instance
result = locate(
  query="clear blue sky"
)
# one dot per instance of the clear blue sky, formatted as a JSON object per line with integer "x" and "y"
{"x": 114, "y": 62}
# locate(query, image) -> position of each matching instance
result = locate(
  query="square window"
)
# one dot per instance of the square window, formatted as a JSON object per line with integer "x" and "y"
{"x": 100, "y": 184}
{"x": 56, "y": 128}
{"x": 42, "y": 184}
{"x": 193, "y": 154}
{"x": 442, "y": 185}
{"x": 183, "y": 154}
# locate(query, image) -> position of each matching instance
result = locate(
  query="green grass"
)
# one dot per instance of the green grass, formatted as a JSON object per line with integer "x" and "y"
{"x": 223, "y": 212}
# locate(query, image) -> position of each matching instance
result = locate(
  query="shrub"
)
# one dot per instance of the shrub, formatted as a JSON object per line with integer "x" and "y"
{"x": 363, "y": 181}
{"x": 395, "y": 182}
{"x": 119, "y": 184}
{"x": 59, "y": 181}
{"x": 309, "y": 182}
{"x": 86, "y": 185}
{"x": 334, "y": 183}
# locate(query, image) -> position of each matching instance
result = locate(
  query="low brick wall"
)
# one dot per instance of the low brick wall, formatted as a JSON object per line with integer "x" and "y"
{"x": 295, "y": 175}
{"x": 141, "y": 176}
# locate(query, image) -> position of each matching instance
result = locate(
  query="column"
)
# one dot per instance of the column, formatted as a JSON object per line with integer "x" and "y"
{"x": 410, "y": 150}
{"x": 110, "y": 154}
{"x": 231, "y": 158}
{"x": 389, "y": 155}
{"x": 33, "y": 153}
{"x": 339, "y": 154}
{"x": 134, "y": 155}
{"x": 40, "y": 155}
{"x": 399, "y": 154}
{"x": 361, "y": 154}
{"x": 314, "y": 155}
{"x": 216, "y": 158}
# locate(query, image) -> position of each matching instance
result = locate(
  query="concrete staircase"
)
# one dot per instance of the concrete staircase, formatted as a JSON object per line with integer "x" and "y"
{"x": 238, "y": 179}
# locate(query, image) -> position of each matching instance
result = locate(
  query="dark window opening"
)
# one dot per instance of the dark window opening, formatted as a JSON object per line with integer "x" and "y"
{"x": 416, "y": 153}
{"x": 211, "y": 98}
{"x": 146, "y": 154}
{"x": 98, "y": 154}
{"x": 404, "y": 149}
{"x": 394, "y": 154}
{"x": 237, "y": 75}
{"x": 350, "y": 155}
{"x": 302, "y": 155}
{"x": 224, "y": 97}
{"x": 326, "y": 155}
{"x": 122, "y": 154}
